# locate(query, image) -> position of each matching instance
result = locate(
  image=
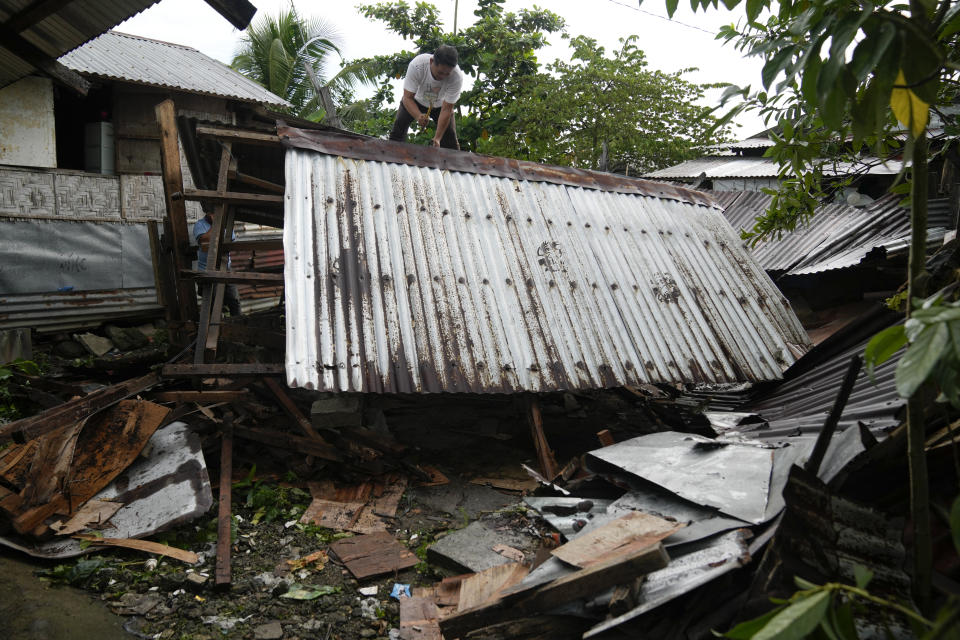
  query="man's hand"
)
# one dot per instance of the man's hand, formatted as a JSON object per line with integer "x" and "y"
{"x": 435, "y": 142}
{"x": 423, "y": 119}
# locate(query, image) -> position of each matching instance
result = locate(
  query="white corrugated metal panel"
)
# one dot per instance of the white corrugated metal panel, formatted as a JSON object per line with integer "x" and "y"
{"x": 67, "y": 28}
{"x": 119, "y": 56}
{"x": 836, "y": 237}
{"x": 715, "y": 168}
{"x": 405, "y": 278}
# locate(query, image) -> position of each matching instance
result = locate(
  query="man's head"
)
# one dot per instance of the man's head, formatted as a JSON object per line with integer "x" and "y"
{"x": 444, "y": 59}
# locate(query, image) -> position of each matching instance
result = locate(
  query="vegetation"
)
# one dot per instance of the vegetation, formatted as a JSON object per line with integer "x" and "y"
{"x": 593, "y": 112}
{"x": 868, "y": 73}
{"x": 10, "y": 410}
{"x": 291, "y": 56}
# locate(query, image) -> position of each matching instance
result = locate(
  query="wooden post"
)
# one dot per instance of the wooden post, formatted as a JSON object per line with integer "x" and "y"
{"x": 548, "y": 465}
{"x": 211, "y": 308}
{"x": 224, "y": 514}
{"x": 176, "y": 206}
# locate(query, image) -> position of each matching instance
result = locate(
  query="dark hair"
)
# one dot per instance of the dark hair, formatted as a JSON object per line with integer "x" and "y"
{"x": 446, "y": 55}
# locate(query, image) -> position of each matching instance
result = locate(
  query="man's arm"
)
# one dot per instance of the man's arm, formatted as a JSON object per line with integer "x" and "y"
{"x": 446, "y": 115}
{"x": 411, "y": 106}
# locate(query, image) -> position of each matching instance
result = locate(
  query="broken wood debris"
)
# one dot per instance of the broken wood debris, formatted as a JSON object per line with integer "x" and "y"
{"x": 156, "y": 548}
{"x": 374, "y": 554}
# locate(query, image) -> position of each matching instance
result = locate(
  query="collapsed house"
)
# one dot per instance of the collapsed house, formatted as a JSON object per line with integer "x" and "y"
{"x": 427, "y": 272}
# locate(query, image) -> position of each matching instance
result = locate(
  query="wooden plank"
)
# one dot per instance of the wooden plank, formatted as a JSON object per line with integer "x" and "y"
{"x": 596, "y": 545}
{"x": 50, "y": 466}
{"x": 201, "y": 397}
{"x": 419, "y": 619}
{"x": 142, "y": 545}
{"x": 605, "y": 438}
{"x": 176, "y": 207}
{"x": 548, "y": 465}
{"x": 372, "y": 555}
{"x": 254, "y": 181}
{"x": 254, "y": 245}
{"x": 33, "y": 54}
{"x": 317, "y": 448}
{"x": 534, "y": 628}
{"x": 233, "y": 197}
{"x": 384, "y": 500}
{"x": 224, "y": 516}
{"x": 236, "y": 277}
{"x": 521, "y": 602}
{"x": 75, "y": 410}
{"x": 245, "y": 137}
{"x": 483, "y": 587}
{"x": 92, "y": 513}
{"x": 290, "y": 408}
{"x": 221, "y": 369}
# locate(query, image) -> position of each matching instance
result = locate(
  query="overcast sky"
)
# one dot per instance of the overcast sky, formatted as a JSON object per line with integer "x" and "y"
{"x": 687, "y": 41}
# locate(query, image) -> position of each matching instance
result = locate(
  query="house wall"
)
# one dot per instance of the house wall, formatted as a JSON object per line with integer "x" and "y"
{"x": 27, "y": 134}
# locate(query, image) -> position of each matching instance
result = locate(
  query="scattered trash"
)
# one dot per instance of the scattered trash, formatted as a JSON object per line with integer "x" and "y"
{"x": 368, "y": 591}
{"x": 225, "y": 623}
{"x": 298, "y": 591}
{"x": 400, "y": 591}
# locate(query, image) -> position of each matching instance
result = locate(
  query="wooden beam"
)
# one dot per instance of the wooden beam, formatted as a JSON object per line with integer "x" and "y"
{"x": 211, "y": 309}
{"x": 201, "y": 397}
{"x": 523, "y": 601}
{"x": 316, "y": 447}
{"x": 239, "y": 136}
{"x": 43, "y": 61}
{"x": 75, "y": 410}
{"x": 254, "y": 245}
{"x": 233, "y": 197}
{"x": 548, "y": 465}
{"x": 218, "y": 369}
{"x": 291, "y": 409}
{"x": 242, "y": 277}
{"x": 176, "y": 207}
{"x": 34, "y": 13}
{"x": 254, "y": 181}
{"x": 224, "y": 513}
{"x": 237, "y": 12}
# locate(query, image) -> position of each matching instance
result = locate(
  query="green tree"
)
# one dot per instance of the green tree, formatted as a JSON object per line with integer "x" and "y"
{"x": 610, "y": 113}
{"x": 282, "y": 51}
{"x": 498, "y": 50}
{"x": 837, "y": 70}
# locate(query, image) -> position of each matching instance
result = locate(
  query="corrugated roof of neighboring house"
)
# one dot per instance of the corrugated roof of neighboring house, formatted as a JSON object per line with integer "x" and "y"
{"x": 837, "y": 236}
{"x": 715, "y": 168}
{"x": 410, "y": 269}
{"x": 66, "y": 28}
{"x": 128, "y": 58}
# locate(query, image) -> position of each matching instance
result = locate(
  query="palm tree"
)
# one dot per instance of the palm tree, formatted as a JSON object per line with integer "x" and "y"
{"x": 282, "y": 52}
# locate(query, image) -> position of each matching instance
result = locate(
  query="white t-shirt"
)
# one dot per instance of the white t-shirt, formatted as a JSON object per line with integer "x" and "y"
{"x": 428, "y": 90}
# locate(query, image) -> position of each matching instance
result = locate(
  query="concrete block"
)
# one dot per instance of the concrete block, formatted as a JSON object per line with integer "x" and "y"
{"x": 95, "y": 344}
{"x": 471, "y": 549}
{"x": 335, "y": 410}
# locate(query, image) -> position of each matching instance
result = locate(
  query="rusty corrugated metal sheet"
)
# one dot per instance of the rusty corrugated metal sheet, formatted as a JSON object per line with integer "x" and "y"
{"x": 405, "y": 278}
{"x": 119, "y": 56}
{"x": 61, "y": 311}
{"x": 837, "y": 236}
{"x": 71, "y": 24}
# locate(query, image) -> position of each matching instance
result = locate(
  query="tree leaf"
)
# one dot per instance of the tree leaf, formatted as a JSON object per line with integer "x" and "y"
{"x": 921, "y": 358}
{"x": 754, "y": 7}
{"x": 882, "y": 347}
{"x": 797, "y": 620}
{"x": 862, "y": 575}
{"x": 910, "y": 110}
{"x": 775, "y": 65}
{"x": 672, "y": 7}
{"x": 746, "y": 630}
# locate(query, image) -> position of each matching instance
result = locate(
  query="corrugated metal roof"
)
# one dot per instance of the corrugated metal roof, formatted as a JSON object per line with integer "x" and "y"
{"x": 406, "y": 278}
{"x": 715, "y": 168}
{"x": 61, "y": 311}
{"x": 836, "y": 237}
{"x": 119, "y": 56}
{"x": 67, "y": 28}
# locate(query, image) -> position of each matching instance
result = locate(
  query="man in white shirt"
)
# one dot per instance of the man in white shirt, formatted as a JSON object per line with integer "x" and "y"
{"x": 431, "y": 90}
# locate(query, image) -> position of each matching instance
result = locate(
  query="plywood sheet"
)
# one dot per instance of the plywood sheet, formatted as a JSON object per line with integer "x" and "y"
{"x": 375, "y": 554}
{"x": 629, "y": 533}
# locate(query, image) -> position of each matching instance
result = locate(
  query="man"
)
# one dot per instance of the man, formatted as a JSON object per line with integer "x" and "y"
{"x": 431, "y": 90}
{"x": 201, "y": 233}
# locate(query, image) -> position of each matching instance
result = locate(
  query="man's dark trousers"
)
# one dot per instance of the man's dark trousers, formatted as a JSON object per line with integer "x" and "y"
{"x": 402, "y": 124}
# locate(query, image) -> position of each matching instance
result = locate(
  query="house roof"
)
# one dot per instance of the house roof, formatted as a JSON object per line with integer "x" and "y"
{"x": 410, "y": 269}
{"x": 128, "y": 58}
{"x": 33, "y": 34}
{"x": 837, "y": 236}
{"x": 752, "y": 167}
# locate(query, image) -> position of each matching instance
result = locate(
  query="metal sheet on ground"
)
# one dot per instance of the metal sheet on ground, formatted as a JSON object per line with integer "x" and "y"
{"x": 731, "y": 476}
{"x": 167, "y": 488}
